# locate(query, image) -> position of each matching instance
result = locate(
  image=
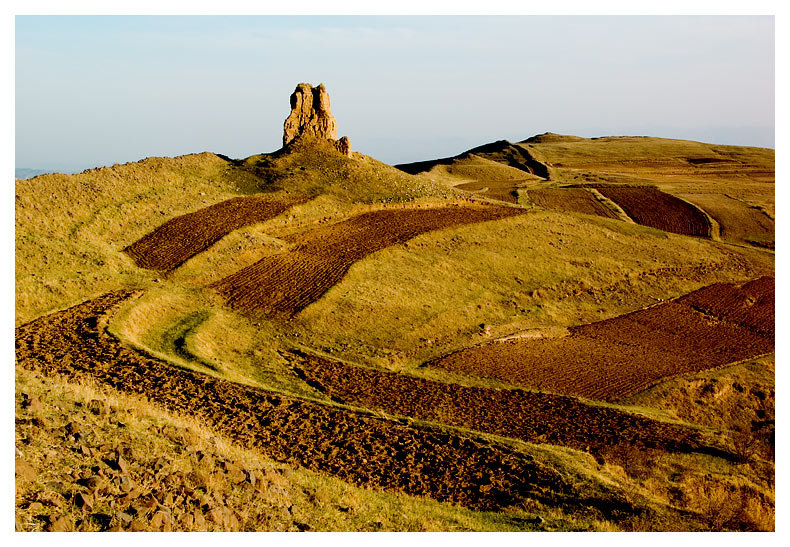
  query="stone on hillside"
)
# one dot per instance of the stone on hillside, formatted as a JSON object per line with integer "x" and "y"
{"x": 160, "y": 522}
{"x": 199, "y": 520}
{"x": 138, "y": 526}
{"x": 125, "y": 483}
{"x": 310, "y": 117}
{"x": 344, "y": 146}
{"x": 98, "y": 407}
{"x": 51, "y": 498}
{"x": 250, "y": 477}
{"x": 61, "y": 524}
{"x": 235, "y": 474}
{"x": 187, "y": 521}
{"x": 31, "y": 403}
{"x": 83, "y": 501}
{"x": 25, "y": 470}
{"x": 205, "y": 460}
{"x": 124, "y": 517}
{"x": 122, "y": 464}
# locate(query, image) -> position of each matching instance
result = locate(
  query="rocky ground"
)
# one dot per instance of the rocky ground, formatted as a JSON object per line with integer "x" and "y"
{"x": 81, "y": 466}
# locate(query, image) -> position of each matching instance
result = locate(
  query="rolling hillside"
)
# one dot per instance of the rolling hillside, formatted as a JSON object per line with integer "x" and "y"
{"x": 205, "y": 343}
{"x": 730, "y": 185}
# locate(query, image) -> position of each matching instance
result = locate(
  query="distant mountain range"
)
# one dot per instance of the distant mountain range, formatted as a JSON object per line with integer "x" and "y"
{"x": 28, "y": 173}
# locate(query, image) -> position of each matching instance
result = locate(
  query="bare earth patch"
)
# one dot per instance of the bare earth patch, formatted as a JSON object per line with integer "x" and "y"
{"x": 288, "y": 282}
{"x": 654, "y": 208}
{"x": 181, "y": 238}
{"x": 530, "y": 416}
{"x": 612, "y": 359}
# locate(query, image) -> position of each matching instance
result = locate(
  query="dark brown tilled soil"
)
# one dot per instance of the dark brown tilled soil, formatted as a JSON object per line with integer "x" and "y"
{"x": 752, "y": 305}
{"x": 359, "y": 448}
{"x": 288, "y": 282}
{"x": 530, "y": 416}
{"x": 181, "y": 238}
{"x": 657, "y": 209}
{"x": 619, "y": 357}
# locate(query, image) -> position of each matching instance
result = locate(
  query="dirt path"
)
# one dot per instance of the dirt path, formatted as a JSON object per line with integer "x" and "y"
{"x": 288, "y": 282}
{"x": 502, "y": 190}
{"x": 356, "y": 447}
{"x": 570, "y": 200}
{"x": 612, "y": 359}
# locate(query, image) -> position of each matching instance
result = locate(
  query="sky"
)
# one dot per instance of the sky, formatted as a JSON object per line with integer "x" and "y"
{"x": 99, "y": 90}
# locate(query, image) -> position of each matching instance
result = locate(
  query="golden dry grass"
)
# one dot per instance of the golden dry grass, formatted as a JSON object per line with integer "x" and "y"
{"x": 676, "y": 166}
{"x": 394, "y": 309}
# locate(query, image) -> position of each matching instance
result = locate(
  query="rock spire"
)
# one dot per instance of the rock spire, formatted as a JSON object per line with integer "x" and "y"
{"x": 310, "y": 117}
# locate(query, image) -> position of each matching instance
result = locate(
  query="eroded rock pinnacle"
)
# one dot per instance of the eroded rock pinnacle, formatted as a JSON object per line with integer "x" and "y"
{"x": 310, "y": 117}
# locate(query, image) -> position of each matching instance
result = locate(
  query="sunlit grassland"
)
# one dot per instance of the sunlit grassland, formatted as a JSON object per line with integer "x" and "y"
{"x": 313, "y": 168}
{"x": 70, "y": 230}
{"x": 400, "y": 306}
{"x": 676, "y": 166}
{"x": 463, "y": 286}
{"x": 476, "y": 168}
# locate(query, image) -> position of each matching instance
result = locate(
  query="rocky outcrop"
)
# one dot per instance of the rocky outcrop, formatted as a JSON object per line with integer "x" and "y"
{"x": 344, "y": 146}
{"x": 310, "y": 117}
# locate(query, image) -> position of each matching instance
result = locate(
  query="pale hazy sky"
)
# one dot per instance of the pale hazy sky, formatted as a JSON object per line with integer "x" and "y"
{"x": 93, "y": 90}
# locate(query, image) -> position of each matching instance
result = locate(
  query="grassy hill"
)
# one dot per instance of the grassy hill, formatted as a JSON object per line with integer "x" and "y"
{"x": 535, "y": 271}
{"x": 732, "y": 185}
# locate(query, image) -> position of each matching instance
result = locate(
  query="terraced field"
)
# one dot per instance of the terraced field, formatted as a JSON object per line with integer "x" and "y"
{"x": 354, "y": 446}
{"x": 288, "y": 282}
{"x": 612, "y": 359}
{"x": 181, "y": 238}
{"x": 570, "y": 200}
{"x": 531, "y": 416}
{"x": 654, "y": 208}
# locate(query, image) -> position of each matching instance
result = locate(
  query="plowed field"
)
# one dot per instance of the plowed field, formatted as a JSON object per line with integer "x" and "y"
{"x": 618, "y": 357}
{"x": 530, "y": 416}
{"x": 288, "y": 282}
{"x": 751, "y": 305}
{"x": 570, "y": 200}
{"x": 356, "y": 447}
{"x": 654, "y": 208}
{"x": 181, "y": 238}
{"x": 738, "y": 221}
